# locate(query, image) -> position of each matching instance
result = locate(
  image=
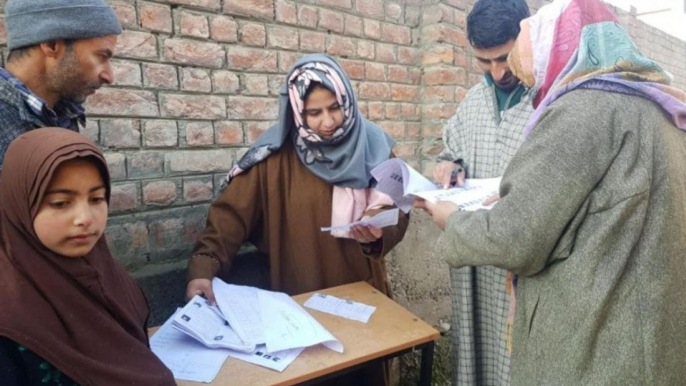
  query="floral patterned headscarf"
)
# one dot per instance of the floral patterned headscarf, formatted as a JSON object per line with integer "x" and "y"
{"x": 344, "y": 160}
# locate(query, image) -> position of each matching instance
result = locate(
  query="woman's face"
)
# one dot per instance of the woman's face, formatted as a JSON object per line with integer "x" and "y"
{"x": 323, "y": 114}
{"x": 73, "y": 214}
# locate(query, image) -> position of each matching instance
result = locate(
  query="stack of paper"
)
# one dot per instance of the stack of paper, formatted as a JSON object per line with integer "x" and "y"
{"x": 340, "y": 307}
{"x": 204, "y": 322}
{"x": 403, "y": 184}
{"x": 261, "y": 327}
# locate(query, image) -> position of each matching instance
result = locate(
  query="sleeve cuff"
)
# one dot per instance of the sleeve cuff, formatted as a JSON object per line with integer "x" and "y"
{"x": 202, "y": 267}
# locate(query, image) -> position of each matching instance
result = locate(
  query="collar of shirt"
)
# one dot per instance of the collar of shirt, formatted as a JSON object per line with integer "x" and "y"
{"x": 64, "y": 112}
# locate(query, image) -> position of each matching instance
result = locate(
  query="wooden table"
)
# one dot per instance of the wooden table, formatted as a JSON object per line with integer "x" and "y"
{"x": 391, "y": 331}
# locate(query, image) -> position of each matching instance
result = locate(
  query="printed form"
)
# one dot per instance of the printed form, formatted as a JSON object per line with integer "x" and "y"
{"x": 340, "y": 307}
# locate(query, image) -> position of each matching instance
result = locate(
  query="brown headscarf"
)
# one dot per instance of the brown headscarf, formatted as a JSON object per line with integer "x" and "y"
{"x": 85, "y": 316}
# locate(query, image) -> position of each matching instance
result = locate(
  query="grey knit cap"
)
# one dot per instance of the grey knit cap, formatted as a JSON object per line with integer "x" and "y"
{"x": 31, "y": 22}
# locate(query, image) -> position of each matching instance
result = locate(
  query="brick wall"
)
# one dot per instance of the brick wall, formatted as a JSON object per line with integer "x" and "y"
{"x": 196, "y": 84}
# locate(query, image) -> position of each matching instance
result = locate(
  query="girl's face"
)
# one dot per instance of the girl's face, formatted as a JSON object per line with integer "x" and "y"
{"x": 73, "y": 214}
{"x": 323, "y": 114}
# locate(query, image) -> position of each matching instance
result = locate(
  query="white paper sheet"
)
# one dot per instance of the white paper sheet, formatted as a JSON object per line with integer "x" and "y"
{"x": 468, "y": 198}
{"x": 276, "y": 361}
{"x": 287, "y": 325}
{"x": 398, "y": 180}
{"x": 205, "y": 323}
{"x": 382, "y": 219}
{"x": 241, "y": 307}
{"x": 340, "y": 307}
{"x": 187, "y": 358}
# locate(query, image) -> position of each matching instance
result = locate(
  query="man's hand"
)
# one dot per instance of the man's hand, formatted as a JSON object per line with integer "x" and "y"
{"x": 200, "y": 287}
{"x": 365, "y": 234}
{"x": 448, "y": 173}
{"x": 440, "y": 211}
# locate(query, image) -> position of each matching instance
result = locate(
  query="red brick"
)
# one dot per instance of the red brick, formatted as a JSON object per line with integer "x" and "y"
{"x": 444, "y": 33}
{"x": 354, "y": 68}
{"x": 223, "y": 29}
{"x": 362, "y": 107}
{"x": 116, "y": 163}
{"x": 159, "y": 193}
{"x": 275, "y": 83}
{"x": 431, "y": 147}
{"x": 410, "y": 112}
{"x": 92, "y": 130}
{"x": 225, "y": 82}
{"x": 312, "y": 41}
{"x": 405, "y": 149}
{"x": 228, "y": 133}
{"x": 195, "y": 79}
{"x": 440, "y": 110}
{"x": 307, "y": 16}
{"x": 408, "y": 55}
{"x": 376, "y": 111}
{"x": 371, "y": 8}
{"x": 432, "y": 130}
{"x": 255, "y": 84}
{"x": 375, "y": 91}
{"x": 117, "y": 102}
{"x": 193, "y": 52}
{"x": 404, "y": 93}
{"x": 193, "y": 106}
{"x": 394, "y": 11}
{"x": 437, "y": 13}
{"x": 139, "y": 45}
{"x": 353, "y": 26}
{"x": 331, "y": 21}
{"x": 120, "y": 133}
{"x": 194, "y": 25}
{"x": 199, "y": 134}
{"x": 251, "y": 59}
{"x": 386, "y": 53}
{"x": 460, "y": 94}
{"x": 345, "y": 4}
{"x": 208, "y": 4}
{"x": 253, "y": 108}
{"x": 263, "y": 9}
{"x": 365, "y": 49}
{"x": 460, "y": 19}
{"x": 438, "y": 54}
{"x": 124, "y": 197}
{"x": 394, "y": 129}
{"x": 444, "y": 76}
{"x": 160, "y": 133}
{"x": 126, "y": 73}
{"x": 375, "y": 71}
{"x": 393, "y": 111}
{"x": 460, "y": 58}
{"x": 415, "y": 75}
{"x": 283, "y": 38}
{"x": 253, "y": 34}
{"x": 433, "y": 94}
{"x": 255, "y": 129}
{"x": 146, "y": 164}
{"x": 340, "y": 46}
{"x": 156, "y": 17}
{"x": 396, "y": 33}
{"x": 397, "y": 74}
{"x": 198, "y": 161}
{"x": 286, "y": 12}
{"x": 160, "y": 76}
{"x": 459, "y": 4}
{"x": 126, "y": 13}
{"x": 197, "y": 190}
{"x": 413, "y": 129}
{"x": 372, "y": 29}
{"x": 287, "y": 60}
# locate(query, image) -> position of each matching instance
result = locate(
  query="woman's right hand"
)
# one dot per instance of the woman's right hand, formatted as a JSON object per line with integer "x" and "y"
{"x": 200, "y": 287}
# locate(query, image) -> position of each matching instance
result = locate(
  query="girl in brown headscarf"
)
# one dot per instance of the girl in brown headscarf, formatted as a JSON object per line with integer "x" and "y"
{"x": 70, "y": 314}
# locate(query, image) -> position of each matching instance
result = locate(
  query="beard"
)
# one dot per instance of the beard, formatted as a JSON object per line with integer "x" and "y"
{"x": 68, "y": 80}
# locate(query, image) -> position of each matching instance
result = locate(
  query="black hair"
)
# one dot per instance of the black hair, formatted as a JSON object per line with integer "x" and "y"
{"x": 21, "y": 52}
{"x": 492, "y": 23}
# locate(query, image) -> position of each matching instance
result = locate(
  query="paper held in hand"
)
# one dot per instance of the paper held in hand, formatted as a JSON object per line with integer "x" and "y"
{"x": 403, "y": 184}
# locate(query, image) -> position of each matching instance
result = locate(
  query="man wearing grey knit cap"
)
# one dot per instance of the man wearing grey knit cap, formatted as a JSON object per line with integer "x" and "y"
{"x": 60, "y": 54}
